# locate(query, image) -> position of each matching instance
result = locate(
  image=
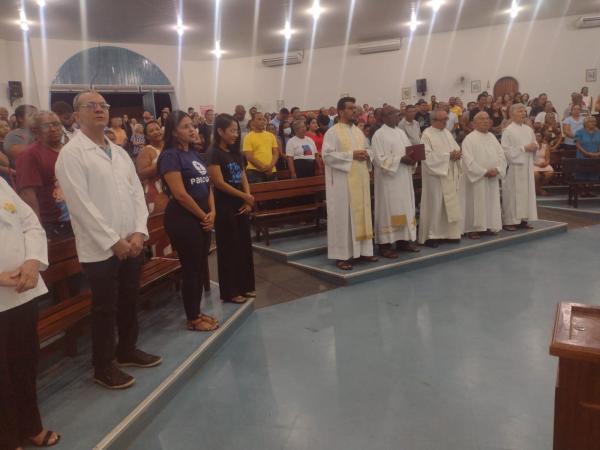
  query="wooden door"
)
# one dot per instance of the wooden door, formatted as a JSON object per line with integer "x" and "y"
{"x": 504, "y": 85}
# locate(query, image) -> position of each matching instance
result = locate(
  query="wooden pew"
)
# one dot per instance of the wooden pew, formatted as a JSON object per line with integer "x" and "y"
{"x": 572, "y": 167}
{"x": 276, "y": 203}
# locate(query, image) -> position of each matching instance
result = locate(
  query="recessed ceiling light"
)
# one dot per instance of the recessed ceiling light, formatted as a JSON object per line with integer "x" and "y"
{"x": 217, "y": 51}
{"x": 23, "y": 22}
{"x": 514, "y": 9}
{"x": 180, "y": 28}
{"x": 316, "y": 9}
{"x": 436, "y": 4}
{"x": 287, "y": 30}
{"x": 41, "y": 3}
{"x": 413, "y": 21}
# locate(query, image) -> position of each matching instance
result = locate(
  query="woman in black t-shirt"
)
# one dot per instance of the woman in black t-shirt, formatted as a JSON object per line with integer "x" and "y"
{"x": 234, "y": 203}
{"x": 190, "y": 213}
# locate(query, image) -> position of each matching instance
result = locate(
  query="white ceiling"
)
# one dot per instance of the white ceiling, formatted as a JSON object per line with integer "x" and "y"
{"x": 152, "y": 21}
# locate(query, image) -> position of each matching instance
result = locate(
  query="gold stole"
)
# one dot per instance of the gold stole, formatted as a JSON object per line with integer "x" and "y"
{"x": 359, "y": 184}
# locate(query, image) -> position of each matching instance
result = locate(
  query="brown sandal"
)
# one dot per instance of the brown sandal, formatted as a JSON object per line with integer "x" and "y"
{"x": 208, "y": 319}
{"x": 344, "y": 265}
{"x": 196, "y": 325}
{"x": 369, "y": 258}
{"x": 473, "y": 235}
{"x": 239, "y": 300}
{"x": 388, "y": 253}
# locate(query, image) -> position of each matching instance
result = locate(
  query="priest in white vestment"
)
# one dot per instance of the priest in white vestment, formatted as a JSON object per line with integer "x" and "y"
{"x": 483, "y": 165}
{"x": 395, "y": 221}
{"x": 518, "y": 187}
{"x": 441, "y": 216}
{"x": 347, "y": 159}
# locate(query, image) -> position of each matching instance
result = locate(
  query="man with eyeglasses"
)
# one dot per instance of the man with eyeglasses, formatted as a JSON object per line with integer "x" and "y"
{"x": 36, "y": 179}
{"x": 441, "y": 214}
{"x": 109, "y": 215}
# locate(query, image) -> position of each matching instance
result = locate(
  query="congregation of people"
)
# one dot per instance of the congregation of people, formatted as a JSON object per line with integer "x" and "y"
{"x": 76, "y": 171}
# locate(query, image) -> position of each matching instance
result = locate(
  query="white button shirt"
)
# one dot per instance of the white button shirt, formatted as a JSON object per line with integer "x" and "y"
{"x": 21, "y": 238}
{"x": 104, "y": 196}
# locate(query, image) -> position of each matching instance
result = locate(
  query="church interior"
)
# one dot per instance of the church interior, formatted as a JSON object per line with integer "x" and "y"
{"x": 414, "y": 266}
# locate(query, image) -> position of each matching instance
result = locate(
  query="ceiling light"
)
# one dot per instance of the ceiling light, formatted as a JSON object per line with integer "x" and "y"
{"x": 41, "y": 3}
{"x": 179, "y": 27}
{"x": 413, "y": 21}
{"x": 287, "y": 30}
{"x": 514, "y": 9}
{"x": 23, "y": 22}
{"x": 436, "y": 5}
{"x": 315, "y": 10}
{"x": 217, "y": 51}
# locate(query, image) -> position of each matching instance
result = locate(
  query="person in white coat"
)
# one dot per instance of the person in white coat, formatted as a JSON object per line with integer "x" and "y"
{"x": 483, "y": 165}
{"x": 347, "y": 158}
{"x": 23, "y": 253}
{"x": 441, "y": 217}
{"x": 395, "y": 221}
{"x": 518, "y": 188}
{"x": 109, "y": 214}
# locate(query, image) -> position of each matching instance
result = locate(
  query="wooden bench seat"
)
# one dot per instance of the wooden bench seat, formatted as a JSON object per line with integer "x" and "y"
{"x": 574, "y": 167}
{"x": 276, "y": 203}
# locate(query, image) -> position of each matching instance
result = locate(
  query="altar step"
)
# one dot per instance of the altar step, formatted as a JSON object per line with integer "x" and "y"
{"x": 89, "y": 416}
{"x": 309, "y": 253}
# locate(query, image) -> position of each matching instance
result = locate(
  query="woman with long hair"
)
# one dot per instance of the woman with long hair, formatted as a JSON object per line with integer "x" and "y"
{"x": 146, "y": 165}
{"x": 234, "y": 204}
{"x": 190, "y": 213}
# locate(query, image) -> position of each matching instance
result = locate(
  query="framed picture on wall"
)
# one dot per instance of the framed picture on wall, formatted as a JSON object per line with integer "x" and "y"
{"x": 590, "y": 75}
{"x": 475, "y": 86}
{"x": 406, "y": 93}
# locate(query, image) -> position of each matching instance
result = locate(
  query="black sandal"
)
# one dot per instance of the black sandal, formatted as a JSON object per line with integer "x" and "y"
{"x": 46, "y": 440}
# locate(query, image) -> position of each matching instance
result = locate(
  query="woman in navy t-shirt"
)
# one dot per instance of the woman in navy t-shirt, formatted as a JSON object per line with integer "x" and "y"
{"x": 190, "y": 213}
{"x": 234, "y": 203}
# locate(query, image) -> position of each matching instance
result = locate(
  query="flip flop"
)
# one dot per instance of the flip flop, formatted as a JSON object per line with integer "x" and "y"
{"x": 46, "y": 440}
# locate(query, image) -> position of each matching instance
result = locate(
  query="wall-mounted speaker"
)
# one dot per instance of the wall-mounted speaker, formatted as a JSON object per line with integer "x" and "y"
{"x": 422, "y": 86}
{"x": 15, "y": 91}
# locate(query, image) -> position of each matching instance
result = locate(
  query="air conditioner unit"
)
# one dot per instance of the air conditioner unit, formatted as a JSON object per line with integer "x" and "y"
{"x": 293, "y": 58}
{"x": 116, "y": 88}
{"x": 379, "y": 47}
{"x": 588, "y": 21}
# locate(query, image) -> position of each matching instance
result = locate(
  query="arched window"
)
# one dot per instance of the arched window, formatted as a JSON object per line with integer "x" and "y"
{"x": 114, "y": 70}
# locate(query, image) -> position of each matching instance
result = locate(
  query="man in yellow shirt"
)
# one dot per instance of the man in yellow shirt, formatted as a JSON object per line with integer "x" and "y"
{"x": 454, "y": 107}
{"x": 261, "y": 151}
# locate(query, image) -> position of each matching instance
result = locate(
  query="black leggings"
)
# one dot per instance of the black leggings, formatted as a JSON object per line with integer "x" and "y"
{"x": 192, "y": 244}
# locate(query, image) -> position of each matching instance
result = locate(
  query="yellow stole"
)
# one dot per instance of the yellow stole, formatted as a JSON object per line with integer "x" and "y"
{"x": 359, "y": 182}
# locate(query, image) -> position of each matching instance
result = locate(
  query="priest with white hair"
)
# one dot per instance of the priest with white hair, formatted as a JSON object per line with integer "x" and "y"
{"x": 483, "y": 165}
{"x": 347, "y": 159}
{"x": 518, "y": 188}
{"x": 395, "y": 222}
{"x": 441, "y": 215}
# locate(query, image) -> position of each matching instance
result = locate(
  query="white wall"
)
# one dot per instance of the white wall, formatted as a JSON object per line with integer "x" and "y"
{"x": 549, "y": 55}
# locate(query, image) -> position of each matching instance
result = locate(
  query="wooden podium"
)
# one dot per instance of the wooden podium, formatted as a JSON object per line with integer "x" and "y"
{"x": 576, "y": 342}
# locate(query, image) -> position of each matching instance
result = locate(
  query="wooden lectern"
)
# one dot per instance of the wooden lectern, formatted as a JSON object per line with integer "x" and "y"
{"x": 576, "y": 342}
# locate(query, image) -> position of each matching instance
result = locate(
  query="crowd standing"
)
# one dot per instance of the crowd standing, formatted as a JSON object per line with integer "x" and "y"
{"x": 78, "y": 171}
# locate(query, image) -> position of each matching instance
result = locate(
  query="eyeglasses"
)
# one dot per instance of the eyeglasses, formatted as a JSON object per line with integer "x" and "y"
{"x": 47, "y": 126}
{"x": 91, "y": 106}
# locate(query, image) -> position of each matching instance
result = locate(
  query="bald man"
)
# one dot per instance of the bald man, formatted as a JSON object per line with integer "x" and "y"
{"x": 518, "y": 189}
{"x": 483, "y": 165}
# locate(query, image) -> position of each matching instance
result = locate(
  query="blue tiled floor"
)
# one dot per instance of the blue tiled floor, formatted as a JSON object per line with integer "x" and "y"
{"x": 82, "y": 411}
{"x": 589, "y": 205}
{"x": 448, "y": 357}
